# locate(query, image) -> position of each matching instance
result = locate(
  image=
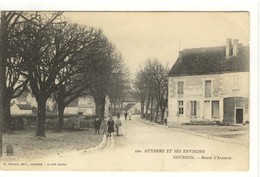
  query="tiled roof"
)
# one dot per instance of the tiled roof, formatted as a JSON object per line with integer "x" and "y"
{"x": 74, "y": 103}
{"x": 210, "y": 60}
{"x": 24, "y": 106}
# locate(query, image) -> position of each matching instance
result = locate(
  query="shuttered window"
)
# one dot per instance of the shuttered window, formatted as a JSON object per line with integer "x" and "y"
{"x": 180, "y": 107}
{"x": 180, "y": 87}
{"x": 215, "y": 109}
{"x": 207, "y": 89}
{"x": 193, "y": 110}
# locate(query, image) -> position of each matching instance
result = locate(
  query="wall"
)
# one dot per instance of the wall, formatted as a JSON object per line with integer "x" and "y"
{"x": 15, "y": 110}
{"x": 71, "y": 110}
{"x": 86, "y": 105}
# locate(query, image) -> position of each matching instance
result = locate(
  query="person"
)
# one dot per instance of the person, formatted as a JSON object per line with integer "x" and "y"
{"x": 129, "y": 116}
{"x": 104, "y": 127}
{"x": 125, "y": 115}
{"x": 97, "y": 124}
{"x": 118, "y": 127}
{"x": 110, "y": 124}
{"x": 165, "y": 122}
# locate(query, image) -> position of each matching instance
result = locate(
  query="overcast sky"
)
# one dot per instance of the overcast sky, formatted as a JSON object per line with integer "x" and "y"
{"x": 142, "y": 35}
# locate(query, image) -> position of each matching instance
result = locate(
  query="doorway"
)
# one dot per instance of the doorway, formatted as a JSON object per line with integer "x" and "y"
{"x": 239, "y": 116}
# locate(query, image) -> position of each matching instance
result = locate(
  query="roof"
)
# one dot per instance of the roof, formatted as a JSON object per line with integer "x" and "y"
{"x": 129, "y": 106}
{"x": 74, "y": 103}
{"x": 211, "y": 60}
{"x": 24, "y": 106}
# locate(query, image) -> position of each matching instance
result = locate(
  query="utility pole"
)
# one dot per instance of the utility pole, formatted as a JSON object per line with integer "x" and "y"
{"x": 3, "y": 43}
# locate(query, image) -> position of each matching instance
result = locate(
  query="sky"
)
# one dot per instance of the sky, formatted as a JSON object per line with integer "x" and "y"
{"x": 161, "y": 35}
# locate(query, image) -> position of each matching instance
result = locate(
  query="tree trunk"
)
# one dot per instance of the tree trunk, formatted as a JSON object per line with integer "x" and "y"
{"x": 100, "y": 107}
{"x": 151, "y": 114}
{"x": 41, "y": 117}
{"x": 60, "y": 117}
{"x": 102, "y": 113}
{"x": 156, "y": 113}
{"x": 142, "y": 108}
{"x": 7, "y": 114}
{"x": 115, "y": 107}
{"x": 162, "y": 116}
{"x": 147, "y": 107}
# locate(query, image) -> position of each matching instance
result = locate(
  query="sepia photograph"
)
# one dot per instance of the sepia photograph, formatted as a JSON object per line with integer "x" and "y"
{"x": 161, "y": 91}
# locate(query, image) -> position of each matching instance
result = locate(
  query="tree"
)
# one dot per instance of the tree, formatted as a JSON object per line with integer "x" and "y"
{"x": 140, "y": 89}
{"x": 152, "y": 81}
{"x": 16, "y": 84}
{"x": 9, "y": 21}
{"x": 118, "y": 80}
{"x": 52, "y": 47}
{"x": 79, "y": 84}
{"x": 99, "y": 87}
{"x": 110, "y": 75}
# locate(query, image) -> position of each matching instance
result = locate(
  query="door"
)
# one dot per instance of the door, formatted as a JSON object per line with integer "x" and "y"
{"x": 239, "y": 116}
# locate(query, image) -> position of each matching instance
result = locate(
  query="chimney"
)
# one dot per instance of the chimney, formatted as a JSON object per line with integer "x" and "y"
{"x": 180, "y": 54}
{"x": 228, "y": 48}
{"x": 235, "y": 47}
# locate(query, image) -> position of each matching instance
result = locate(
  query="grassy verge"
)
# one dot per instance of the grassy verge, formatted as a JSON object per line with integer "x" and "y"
{"x": 27, "y": 146}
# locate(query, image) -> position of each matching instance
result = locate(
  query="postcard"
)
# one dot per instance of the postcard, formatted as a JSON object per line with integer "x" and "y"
{"x": 126, "y": 91}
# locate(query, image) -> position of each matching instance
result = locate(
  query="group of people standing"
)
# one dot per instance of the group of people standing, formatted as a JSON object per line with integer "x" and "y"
{"x": 109, "y": 127}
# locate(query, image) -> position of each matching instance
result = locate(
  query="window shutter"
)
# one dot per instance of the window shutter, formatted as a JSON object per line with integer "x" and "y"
{"x": 198, "y": 109}
{"x": 188, "y": 107}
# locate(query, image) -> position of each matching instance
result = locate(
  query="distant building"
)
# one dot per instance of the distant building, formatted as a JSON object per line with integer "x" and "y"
{"x": 21, "y": 109}
{"x": 210, "y": 84}
{"x": 84, "y": 105}
{"x": 29, "y": 99}
{"x": 133, "y": 108}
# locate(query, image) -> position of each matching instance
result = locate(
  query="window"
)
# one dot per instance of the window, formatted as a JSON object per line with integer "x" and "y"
{"x": 236, "y": 82}
{"x": 180, "y": 87}
{"x": 207, "y": 89}
{"x": 215, "y": 109}
{"x": 193, "y": 110}
{"x": 180, "y": 107}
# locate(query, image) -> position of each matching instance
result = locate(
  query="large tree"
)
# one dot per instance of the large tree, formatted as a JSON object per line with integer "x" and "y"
{"x": 79, "y": 84}
{"x": 117, "y": 82}
{"x": 16, "y": 84}
{"x": 53, "y": 47}
{"x": 10, "y": 62}
{"x": 152, "y": 83}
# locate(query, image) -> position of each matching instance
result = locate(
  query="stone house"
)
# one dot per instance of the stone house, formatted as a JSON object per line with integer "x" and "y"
{"x": 210, "y": 84}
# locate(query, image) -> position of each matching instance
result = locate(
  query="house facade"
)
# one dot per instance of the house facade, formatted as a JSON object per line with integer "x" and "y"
{"x": 84, "y": 105}
{"x": 210, "y": 84}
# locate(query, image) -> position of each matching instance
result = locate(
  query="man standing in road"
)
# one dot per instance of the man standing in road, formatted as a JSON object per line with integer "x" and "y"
{"x": 125, "y": 115}
{"x": 97, "y": 124}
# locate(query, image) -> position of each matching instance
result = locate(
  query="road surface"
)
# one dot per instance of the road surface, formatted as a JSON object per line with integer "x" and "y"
{"x": 146, "y": 147}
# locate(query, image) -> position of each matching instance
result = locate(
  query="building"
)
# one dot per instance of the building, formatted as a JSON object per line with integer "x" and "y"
{"x": 133, "y": 108}
{"x": 84, "y": 105}
{"x": 210, "y": 84}
{"x": 20, "y": 109}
